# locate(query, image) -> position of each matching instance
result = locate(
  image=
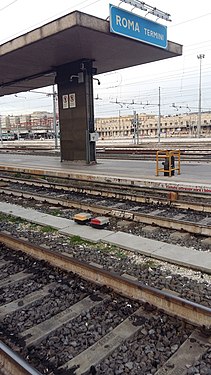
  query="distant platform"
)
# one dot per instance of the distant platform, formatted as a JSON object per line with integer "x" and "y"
{"x": 195, "y": 176}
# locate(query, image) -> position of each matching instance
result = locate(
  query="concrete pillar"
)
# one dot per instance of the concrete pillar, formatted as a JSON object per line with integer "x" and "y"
{"x": 76, "y": 111}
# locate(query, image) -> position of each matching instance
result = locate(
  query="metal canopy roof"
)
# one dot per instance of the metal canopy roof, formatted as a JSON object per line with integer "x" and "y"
{"x": 30, "y": 61}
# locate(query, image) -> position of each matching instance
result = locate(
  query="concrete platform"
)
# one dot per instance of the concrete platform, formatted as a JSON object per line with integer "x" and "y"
{"x": 194, "y": 176}
{"x": 175, "y": 254}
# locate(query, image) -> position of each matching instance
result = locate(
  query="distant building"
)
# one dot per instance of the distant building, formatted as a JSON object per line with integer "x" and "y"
{"x": 41, "y": 123}
{"x": 179, "y": 125}
{"x": 41, "y": 120}
{"x": 28, "y": 126}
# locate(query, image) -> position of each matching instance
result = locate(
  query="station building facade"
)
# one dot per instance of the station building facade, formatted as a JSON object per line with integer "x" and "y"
{"x": 181, "y": 125}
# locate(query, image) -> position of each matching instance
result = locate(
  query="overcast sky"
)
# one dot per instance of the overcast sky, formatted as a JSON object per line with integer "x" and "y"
{"x": 178, "y": 78}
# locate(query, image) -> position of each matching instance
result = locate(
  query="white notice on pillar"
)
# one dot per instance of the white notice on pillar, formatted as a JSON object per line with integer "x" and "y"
{"x": 65, "y": 101}
{"x": 72, "y": 100}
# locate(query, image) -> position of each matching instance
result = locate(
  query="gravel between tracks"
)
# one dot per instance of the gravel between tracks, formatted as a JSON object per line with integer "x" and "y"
{"x": 192, "y": 285}
{"x": 195, "y": 242}
{"x": 158, "y": 338}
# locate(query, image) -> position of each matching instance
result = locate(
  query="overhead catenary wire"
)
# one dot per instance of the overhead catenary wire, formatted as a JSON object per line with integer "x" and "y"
{"x": 43, "y": 21}
{"x": 128, "y": 87}
{"x": 8, "y": 5}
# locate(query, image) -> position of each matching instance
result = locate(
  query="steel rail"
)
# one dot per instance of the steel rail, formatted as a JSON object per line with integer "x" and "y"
{"x": 89, "y": 178}
{"x": 100, "y": 186}
{"x": 12, "y": 364}
{"x": 194, "y": 313}
{"x": 164, "y": 222}
{"x": 133, "y": 196}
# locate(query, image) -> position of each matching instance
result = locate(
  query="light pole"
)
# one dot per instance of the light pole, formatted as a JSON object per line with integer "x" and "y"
{"x": 1, "y": 132}
{"x": 135, "y": 123}
{"x": 159, "y": 116}
{"x": 54, "y": 118}
{"x": 200, "y": 57}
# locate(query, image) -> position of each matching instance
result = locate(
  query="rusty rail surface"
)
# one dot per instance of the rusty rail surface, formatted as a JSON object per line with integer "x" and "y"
{"x": 12, "y": 364}
{"x": 161, "y": 221}
{"x": 134, "y": 194}
{"x": 194, "y": 313}
{"x": 86, "y": 184}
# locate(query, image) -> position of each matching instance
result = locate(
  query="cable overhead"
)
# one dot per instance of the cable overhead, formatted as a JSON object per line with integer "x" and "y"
{"x": 148, "y": 8}
{"x": 53, "y": 17}
{"x": 191, "y": 19}
{"x": 128, "y": 89}
{"x": 8, "y": 5}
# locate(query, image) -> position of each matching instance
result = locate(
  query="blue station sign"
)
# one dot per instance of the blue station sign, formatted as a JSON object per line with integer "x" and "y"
{"x": 133, "y": 26}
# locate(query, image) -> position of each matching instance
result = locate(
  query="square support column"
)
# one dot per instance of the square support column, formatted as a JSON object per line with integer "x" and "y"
{"x": 76, "y": 111}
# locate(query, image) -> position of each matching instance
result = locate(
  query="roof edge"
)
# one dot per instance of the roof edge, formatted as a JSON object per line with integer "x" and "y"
{"x": 44, "y": 31}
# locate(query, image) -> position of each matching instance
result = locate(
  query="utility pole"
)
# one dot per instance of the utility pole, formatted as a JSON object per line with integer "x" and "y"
{"x": 119, "y": 121}
{"x": 135, "y": 124}
{"x": 200, "y": 57}
{"x": 158, "y": 130}
{"x": 54, "y": 118}
{"x": 137, "y": 128}
{"x": 1, "y": 132}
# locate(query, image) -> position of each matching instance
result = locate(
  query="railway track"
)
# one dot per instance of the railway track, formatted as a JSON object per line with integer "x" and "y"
{"x": 77, "y": 318}
{"x": 13, "y": 363}
{"x": 184, "y": 199}
{"x": 140, "y": 206}
{"x": 134, "y": 153}
{"x": 195, "y": 153}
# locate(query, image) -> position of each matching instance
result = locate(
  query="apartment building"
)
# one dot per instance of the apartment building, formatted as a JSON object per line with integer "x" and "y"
{"x": 27, "y": 124}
